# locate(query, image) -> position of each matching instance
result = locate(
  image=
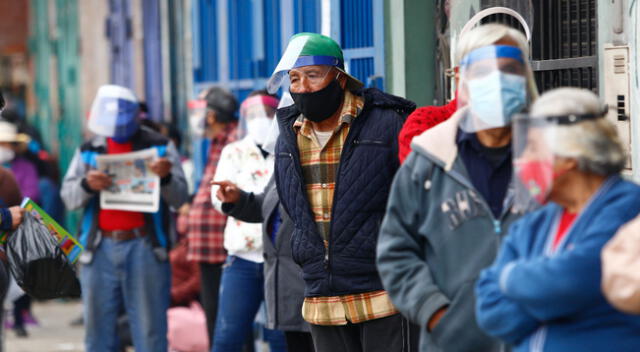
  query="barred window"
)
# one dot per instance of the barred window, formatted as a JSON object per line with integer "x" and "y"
{"x": 563, "y": 42}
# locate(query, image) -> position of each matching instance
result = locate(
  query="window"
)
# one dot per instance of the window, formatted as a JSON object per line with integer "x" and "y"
{"x": 564, "y": 44}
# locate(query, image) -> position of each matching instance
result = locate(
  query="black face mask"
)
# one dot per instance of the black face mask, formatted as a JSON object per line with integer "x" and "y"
{"x": 319, "y": 106}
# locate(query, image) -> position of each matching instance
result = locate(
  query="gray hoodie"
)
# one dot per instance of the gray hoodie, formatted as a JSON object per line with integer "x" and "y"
{"x": 438, "y": 233}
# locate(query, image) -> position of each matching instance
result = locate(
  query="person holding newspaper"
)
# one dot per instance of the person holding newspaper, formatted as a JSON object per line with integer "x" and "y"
{"x": 125, "y": 258}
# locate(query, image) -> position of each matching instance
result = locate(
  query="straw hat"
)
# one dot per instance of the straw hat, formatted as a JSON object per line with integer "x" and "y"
{"x": 9, "y": 133}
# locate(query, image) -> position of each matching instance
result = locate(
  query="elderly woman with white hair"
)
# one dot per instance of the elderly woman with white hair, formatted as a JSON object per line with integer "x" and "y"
{"x": 543, "y": 291}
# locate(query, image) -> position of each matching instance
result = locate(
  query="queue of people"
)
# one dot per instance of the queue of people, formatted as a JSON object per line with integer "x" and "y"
{"x": 497, "y": 222}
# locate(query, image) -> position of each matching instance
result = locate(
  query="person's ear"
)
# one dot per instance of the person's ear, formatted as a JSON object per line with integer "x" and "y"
{"x": 211, "y": 117}
{"x": 563, "y": 165}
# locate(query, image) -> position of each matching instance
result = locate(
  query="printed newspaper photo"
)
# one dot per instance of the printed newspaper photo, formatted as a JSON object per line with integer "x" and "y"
{"x": 135, "y": 187}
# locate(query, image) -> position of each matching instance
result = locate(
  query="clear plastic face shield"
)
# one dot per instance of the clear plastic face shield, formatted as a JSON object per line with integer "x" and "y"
{"x": 307, "y": 69}
{"x": 114, "y": 112}
{"x": 534, "y": 140}
{"x": 197, "y": 110}
{"x": 274, "y": 130}
{"x": 493, "y": 87}
{"x": 256, "y": 117}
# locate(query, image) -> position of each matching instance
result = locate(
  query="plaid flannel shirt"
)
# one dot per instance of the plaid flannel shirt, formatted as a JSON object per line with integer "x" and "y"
{"x": 206, "y": 225}
{"x": 319, "y": 166}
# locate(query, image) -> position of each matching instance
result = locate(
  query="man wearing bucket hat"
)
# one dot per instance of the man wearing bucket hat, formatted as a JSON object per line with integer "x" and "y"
{"x": 125, "y": 259}
{"x": 335, "y": 160}
{"x": 451, "y": 201}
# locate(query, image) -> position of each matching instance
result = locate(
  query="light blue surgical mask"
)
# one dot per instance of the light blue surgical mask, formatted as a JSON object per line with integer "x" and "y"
{"x": 494, "y": 99}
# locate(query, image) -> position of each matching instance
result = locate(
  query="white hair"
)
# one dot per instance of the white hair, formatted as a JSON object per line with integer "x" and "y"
{"x": 489, "y": 34}
{"x": 594, "y": 143}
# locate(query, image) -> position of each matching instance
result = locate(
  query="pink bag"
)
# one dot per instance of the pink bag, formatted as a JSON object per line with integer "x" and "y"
{"x": 187, "y": 329}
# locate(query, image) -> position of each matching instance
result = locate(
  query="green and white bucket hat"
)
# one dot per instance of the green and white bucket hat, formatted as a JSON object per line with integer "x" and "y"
{"x": 307, "y": 49}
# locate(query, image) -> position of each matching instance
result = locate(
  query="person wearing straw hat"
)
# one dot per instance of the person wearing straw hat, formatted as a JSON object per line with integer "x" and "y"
{"x": 124, "y": 264}
{"x": 10, "y": 218}
{"x": 335, "y": 159}
{"x": 23, "y": 169}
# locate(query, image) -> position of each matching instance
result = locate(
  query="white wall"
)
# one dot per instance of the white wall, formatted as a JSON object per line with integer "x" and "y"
{"x": 94, "y": 50}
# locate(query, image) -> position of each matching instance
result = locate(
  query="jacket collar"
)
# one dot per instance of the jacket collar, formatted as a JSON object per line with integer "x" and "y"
{"x": 439, "y": 142}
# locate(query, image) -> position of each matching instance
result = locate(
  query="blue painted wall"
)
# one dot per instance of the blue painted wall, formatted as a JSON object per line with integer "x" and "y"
{"x": 205, "y": 49}
{"x": 120, "y": 31}
{"x": 153, "y": 58}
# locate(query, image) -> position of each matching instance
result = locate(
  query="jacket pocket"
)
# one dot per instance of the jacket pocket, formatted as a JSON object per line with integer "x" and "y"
{"x": 371, "y": 142}
{"x": 458, "y": 331}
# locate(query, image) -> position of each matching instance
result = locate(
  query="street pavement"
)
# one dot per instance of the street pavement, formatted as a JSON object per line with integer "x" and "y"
{"x": 54, "y": 334}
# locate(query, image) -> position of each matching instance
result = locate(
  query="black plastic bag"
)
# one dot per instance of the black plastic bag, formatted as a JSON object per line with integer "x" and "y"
{"x": 39, "y": 266}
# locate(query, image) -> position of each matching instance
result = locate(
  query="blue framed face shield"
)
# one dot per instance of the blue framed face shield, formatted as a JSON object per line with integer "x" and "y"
{"x": 493, "y": 87}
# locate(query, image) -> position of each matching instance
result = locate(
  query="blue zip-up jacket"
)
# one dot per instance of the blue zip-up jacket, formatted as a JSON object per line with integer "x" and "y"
{"x": 437, "y": 235}
{"x": 368, "y": 162}
{"x": 543, "y": 300}
{"x": 173, "y": 191}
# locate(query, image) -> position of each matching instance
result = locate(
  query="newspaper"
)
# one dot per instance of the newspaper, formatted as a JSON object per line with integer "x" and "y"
{"x": 135, "y": 187}
{"x": 67, "y": 243}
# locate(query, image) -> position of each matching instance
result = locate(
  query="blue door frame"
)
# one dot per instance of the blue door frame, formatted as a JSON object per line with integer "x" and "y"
{"x": 119, "y": 31}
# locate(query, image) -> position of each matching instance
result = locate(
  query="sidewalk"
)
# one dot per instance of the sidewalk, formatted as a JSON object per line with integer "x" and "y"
{"x": 53, "y": 334}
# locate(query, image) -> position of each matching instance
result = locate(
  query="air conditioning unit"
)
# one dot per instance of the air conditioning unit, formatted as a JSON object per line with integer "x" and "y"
{"x": 617, "y": 92}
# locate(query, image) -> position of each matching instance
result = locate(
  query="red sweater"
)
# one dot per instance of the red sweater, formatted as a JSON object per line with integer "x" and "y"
{"x": 421, "y": 120}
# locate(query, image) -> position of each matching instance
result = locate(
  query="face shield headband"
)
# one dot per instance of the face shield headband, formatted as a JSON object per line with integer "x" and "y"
{"x": 571, "y": 118}
{"x": 492, "y": 52}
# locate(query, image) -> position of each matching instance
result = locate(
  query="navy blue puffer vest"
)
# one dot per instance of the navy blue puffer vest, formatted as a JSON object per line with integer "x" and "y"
{"x": 368, "y": 163}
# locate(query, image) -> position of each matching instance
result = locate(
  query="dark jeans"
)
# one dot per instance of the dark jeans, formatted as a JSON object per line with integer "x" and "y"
{"x": 4, "y": 286}
{"x": 125, "y": 276}
{"x": 298, "y": 341}
{"x": 380, "y": 335}
{"x": 209, "y": 289}
{"x": 241, "y": 293}
{"x": 20, "y": 306}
